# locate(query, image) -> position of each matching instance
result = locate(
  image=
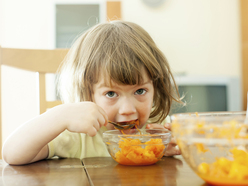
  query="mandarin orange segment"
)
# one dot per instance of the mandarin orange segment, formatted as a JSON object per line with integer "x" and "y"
{"x": 223, "y": 169}
{"x": 201, "y": 148}
{"x": 203, "y": 168}
{"x": 121, "y": 158}
{"x": 132, "y": 152}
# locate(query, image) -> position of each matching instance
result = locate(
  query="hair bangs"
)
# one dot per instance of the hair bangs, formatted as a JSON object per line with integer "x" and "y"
{"x": 126, "y": 70}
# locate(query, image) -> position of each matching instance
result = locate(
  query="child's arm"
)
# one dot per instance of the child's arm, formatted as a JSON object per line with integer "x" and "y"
{"x": 172, "y": 148}
{"x": 29, "y": 142}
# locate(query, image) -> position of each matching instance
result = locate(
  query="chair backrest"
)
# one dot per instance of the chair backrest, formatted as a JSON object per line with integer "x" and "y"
{"x": 34, "y": 60}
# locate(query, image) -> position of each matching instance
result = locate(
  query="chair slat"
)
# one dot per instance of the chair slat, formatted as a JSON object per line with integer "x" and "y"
{"x": 33, "y": 60}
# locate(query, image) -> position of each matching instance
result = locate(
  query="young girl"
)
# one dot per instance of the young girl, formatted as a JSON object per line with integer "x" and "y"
{"x": 114, "y": 72}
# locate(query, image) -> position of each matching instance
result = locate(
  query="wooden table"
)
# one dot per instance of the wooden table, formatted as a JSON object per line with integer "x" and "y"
{"x": 99, "y": 171}
{"x": 57, "y": 172}
{"x": 168, "y": 171}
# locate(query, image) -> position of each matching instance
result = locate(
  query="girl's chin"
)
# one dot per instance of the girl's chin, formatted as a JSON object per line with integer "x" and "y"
{"x": 132, "y": 131}
{"x": 128, "y": 131}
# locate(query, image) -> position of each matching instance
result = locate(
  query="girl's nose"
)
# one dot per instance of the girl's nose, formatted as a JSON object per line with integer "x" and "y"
{"x": 127, "y": 107}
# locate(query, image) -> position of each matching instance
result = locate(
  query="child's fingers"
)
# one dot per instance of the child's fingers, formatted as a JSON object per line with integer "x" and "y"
{"x": 173, "y": 141}
{"x": 172, "y": 151}
{"x": 92, "y": 131}
{"x": 101, "y": 121}
{"x": 158, "y": 126}
{"x": 167, "y": 126}
{"x": 105, "y": 122}
{"x": 172, "y": 148}
{"x": 154, "y": 126}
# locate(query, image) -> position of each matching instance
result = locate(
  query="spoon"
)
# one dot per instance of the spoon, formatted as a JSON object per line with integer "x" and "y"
{"x": 122, "y": 125}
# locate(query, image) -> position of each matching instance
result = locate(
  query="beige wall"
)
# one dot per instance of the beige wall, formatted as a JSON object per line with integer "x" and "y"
{"x": 198, "y": 37}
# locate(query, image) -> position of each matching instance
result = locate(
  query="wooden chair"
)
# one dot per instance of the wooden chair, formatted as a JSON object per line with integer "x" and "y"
{"x": 41, "y": 61}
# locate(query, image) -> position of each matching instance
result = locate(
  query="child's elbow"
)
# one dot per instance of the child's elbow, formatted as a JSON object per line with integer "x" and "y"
{"x": 7, "y": 158}
{"x": 10, "y": 157}
{"x": 12, "y": 161}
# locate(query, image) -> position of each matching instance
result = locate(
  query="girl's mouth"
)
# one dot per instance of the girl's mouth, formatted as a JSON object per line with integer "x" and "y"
{"x": 125, "y": 125}
{"x": 136, "y": 122}
{"x": 134, "y": 127}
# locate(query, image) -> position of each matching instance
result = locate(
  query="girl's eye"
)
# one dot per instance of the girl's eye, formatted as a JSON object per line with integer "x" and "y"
{"x": 140, "y": 91}
{"x": 111, "y": 94}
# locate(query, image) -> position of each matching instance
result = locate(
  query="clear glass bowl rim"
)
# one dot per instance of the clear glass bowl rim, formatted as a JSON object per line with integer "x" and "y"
{"x": 208, "y": 115}
{"x": 114, "y": 133}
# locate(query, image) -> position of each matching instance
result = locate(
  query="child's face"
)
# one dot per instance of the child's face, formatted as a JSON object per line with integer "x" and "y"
{"x": 124, "y": 103}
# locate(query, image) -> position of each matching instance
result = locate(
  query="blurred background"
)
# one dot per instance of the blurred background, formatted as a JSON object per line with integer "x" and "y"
{"x": 202, "y": 40}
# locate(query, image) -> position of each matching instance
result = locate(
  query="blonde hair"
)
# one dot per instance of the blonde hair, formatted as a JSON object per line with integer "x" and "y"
{"x": 118, "y": 50}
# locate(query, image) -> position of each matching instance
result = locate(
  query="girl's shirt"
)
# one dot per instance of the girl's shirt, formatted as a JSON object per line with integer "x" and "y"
{"x": 78, "y": 145}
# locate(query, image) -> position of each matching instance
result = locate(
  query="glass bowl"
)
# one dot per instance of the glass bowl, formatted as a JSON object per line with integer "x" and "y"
{"x": 215, "y": 145}
{"x": 137, "y": 147}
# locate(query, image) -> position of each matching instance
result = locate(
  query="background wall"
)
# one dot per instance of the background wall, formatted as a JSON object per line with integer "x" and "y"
{"x": 198, "y": 38}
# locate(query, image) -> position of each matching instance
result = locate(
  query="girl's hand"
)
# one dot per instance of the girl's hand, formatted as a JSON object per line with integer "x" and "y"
{"x": 83, "y": 117}
{"x": 172, "y": 148}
